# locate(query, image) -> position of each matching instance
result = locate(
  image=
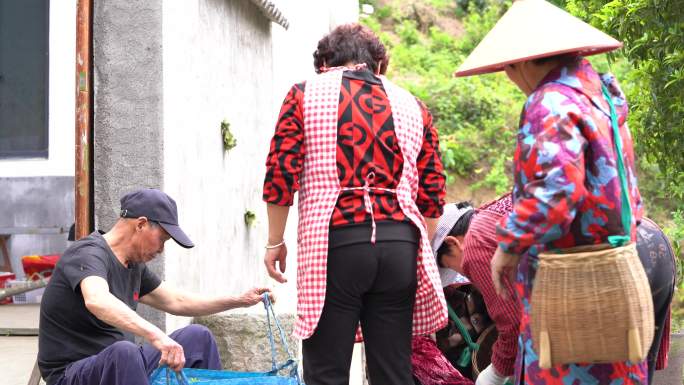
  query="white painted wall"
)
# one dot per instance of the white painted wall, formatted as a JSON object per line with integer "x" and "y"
{"x": 219, "y": 64}
{"x": 222, "y": 64}
{"x": 62, "y": 102}
{"x": 293, "y": 48}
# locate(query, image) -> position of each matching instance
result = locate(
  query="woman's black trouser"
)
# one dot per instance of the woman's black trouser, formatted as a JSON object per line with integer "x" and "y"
{"x": 376, "y": 286}
{"x": 657, "y": 257}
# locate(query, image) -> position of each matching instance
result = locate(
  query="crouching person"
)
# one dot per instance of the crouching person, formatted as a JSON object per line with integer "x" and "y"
{"x": 87, "y": 315}
{"x": 465, "y": 242}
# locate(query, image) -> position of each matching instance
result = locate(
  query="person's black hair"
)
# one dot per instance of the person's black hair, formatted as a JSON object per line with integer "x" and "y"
{"x": 562, "y": 58}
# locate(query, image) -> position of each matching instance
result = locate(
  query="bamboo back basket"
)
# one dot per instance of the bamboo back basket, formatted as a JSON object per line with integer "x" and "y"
{"x": 591, "y": 305}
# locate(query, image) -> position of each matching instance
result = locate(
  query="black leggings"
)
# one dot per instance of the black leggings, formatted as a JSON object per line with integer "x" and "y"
{"x": 376, "y": 286}
{"x": 657, "y": 257}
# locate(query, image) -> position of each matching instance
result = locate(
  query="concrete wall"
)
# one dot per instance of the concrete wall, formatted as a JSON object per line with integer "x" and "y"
{"x": 309, "y": 22}
{"x": 61, "y": 100}
{"x": 217, "y": 65}
{"x": 225, "y": 60}
{"x": 36, "y": 202}
{"x": 128, "y": 132}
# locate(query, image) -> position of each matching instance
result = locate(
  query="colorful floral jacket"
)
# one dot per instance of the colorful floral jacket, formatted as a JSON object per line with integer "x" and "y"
{"x": 567, "y": 190}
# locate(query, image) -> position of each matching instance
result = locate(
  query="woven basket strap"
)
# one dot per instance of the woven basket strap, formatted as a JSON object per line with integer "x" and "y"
{"x": 626, "y": 213}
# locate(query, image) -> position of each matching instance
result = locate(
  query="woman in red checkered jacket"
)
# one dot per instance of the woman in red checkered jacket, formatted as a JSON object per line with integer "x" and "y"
{"x": 363, "y": 155}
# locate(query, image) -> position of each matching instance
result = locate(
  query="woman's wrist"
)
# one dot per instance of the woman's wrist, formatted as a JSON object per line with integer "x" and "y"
{"x": 273, "y": 239}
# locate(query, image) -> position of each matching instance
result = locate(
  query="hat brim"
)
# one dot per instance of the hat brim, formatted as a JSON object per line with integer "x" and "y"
{"x": 178, "y": 235}
{"x": 533, "y": 29}
{"x": 497, "y": 67}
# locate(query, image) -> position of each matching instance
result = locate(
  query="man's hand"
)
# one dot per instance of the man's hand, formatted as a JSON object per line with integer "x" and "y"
{"x": 489, "y": 376}
{"x": 504, "y": 267}
{"x": 172, "y": 353}
{"x": 255, "y": 295}
{"x": 276, "y": 255}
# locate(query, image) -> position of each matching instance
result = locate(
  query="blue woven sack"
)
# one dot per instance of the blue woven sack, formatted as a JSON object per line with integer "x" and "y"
{"x": 165, "y": 376}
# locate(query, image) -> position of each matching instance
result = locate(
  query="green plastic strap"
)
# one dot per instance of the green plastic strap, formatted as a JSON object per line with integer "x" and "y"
{"x": 626, "y": 213}
{"x": 462, "y": 329}
{"x": 465, "y": 358}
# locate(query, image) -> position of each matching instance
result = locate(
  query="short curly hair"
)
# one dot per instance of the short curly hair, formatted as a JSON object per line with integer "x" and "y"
{"x": 351, "y": 43}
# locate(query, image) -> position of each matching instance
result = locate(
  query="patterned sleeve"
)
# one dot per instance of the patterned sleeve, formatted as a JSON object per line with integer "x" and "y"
{"x": 549, "y": 173}
{"x": 285, "y": 157}
{"x": 432, "y": 180}
{"x": 479, "y": 247}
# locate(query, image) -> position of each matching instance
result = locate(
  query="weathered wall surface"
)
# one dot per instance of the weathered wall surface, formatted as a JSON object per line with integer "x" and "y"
{"x": 225, "y": 60}
{"x": 128, "y": 132}
{"x": 217, "y": 65}
{"x": 36, "y": 202}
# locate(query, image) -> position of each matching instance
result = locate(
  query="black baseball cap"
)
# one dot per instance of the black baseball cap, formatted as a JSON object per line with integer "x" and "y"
{"x": 156, "y": 206}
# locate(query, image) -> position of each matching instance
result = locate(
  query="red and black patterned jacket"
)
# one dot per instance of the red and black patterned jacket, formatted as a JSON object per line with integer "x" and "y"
{"x": 366, "y": 143}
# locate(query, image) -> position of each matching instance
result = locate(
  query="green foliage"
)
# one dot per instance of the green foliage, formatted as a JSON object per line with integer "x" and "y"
{"x": 470, "y": 6}
{"x": 441, "y": 5}
{"x": 653, "y": 34}
{"x": 497, "y": 177}
{"x": 250, "y": 218}
{"x": 383, "y": 12}
{"x": 457, "y": 158}
{"x": 229, "y": 140}
{"x": 408, "y": 33}
{"x": 477, "y": 24}
{"x": 676, "y": 234}
{"x": 476, "y": 116}
{"x": 373, "y": 24}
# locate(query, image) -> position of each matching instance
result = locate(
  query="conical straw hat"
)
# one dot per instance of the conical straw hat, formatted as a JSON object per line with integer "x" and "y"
{"x": 533, "y": 29}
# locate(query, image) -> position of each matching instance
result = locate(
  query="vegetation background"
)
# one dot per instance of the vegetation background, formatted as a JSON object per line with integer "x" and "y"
{"x": 477, "y": 116}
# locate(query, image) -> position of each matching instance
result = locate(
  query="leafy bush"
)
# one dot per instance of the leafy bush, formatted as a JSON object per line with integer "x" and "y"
{"x": 408, "y": 32}
{"x": 497, "y": 177}
{"x": 458, "y": 158}
{"x": 477, "y": 24}
{"x": 476, "y": 116}
{"x": 470, "y": 6}
{"x": 675, "y": 232}
{"x": 653, "y": 34}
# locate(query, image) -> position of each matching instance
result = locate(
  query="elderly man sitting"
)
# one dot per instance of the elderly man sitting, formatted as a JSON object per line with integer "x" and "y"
{"x": 87, "y": 315}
